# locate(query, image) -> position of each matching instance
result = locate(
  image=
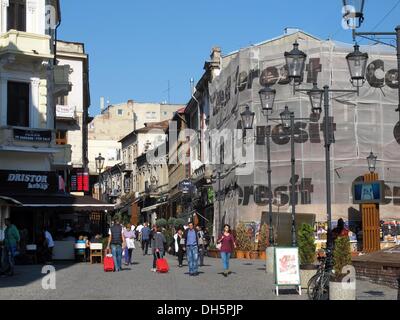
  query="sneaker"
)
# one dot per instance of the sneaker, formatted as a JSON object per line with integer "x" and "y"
{"x": 225, "y": 274}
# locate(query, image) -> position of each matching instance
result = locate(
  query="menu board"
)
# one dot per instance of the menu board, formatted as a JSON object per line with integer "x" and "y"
{"x": 287, "y": 267}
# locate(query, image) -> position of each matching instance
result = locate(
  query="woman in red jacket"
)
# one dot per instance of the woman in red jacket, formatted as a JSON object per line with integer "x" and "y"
{"x": 228, "y": 244}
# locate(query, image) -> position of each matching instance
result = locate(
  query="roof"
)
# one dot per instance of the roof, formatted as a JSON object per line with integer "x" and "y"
{"x": 299, "y": 32}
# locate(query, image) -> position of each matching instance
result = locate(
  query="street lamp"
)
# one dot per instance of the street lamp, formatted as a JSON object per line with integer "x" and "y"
{"x": 371, "y": 159}
{"x": 295, "y": 62}
{"x": 354, "y": 12}
{"x": 287, "y": 119}
{"x": 316, "y": 99}
{"x": 357, "y": 62}
{"x": 99, "y": 167}
{"x": 247, "y": 118}
{"x": 267, "y": 98}
{"x": 374, "y": 36}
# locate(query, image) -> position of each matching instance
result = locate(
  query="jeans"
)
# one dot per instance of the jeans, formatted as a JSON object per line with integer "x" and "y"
{"x": 201, "y": 255}
{"x": 116, "y": 250}
{"x": 128, "y": 256}
{"x": 225, "y": 256}
{"x": 145, "y": 246}
{"x": 10, "y": 252}
{"x": 193, "y": 258}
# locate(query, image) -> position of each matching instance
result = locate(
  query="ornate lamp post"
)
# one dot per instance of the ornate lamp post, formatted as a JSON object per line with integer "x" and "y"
{"x": 267, "y": 98}
{"x": 371, "y": 159}
{"x": 355, "y": 9}
{"x": 99, "y": 167}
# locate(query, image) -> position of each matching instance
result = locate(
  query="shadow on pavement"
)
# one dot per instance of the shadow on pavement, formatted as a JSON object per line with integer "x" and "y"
{"x": 24, "y": 275}
{"x": 375, "y": 293}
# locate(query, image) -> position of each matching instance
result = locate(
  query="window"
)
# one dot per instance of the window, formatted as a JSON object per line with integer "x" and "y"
{"x": 151, "y": 115}
{"x": 120, "y": 112}
{"x": 61, "y": 137}
{"x": 62, "y": 101}
{"x": 16, "y": 15}
{"x": 18, "y": 104}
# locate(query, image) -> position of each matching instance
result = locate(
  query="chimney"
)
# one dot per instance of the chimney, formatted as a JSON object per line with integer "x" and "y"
{"x": 216, "y": 55}
{"x": 215, "y": 64}
{"x": 101, "y": 104}
{"x": 192, "y": 90}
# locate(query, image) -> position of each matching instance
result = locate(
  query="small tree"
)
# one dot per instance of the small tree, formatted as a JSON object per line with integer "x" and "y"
{"x": 307, "y": 247}
{"x": 171, "y": 222}
{"x": 161, "y": 223}
{"x": 341, "y": 256}
{"x": 179, "y": 222}
{"x": 242, "y": 238}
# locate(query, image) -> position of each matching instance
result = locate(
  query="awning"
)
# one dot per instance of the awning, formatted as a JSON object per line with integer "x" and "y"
{"x": 147, "y": 209}
{"x": 10, "y": 201}
{"x": 76, "y": 203}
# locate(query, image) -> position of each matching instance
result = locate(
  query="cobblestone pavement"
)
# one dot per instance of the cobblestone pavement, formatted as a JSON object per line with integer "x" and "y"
{"x": 84, "y": 281}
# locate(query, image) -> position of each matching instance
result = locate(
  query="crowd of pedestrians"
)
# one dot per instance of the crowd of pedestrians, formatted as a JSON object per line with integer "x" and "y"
{"x": 189, "y": 241}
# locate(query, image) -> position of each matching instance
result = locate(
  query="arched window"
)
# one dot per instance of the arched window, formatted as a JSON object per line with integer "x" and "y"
{"x": 16, "y": 15}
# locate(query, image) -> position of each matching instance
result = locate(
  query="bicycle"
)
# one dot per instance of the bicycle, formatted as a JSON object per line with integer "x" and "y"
{"x": 318, "y": 286}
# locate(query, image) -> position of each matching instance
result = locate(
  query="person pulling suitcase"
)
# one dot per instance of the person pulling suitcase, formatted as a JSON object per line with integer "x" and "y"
{"x": 158, "y": 243}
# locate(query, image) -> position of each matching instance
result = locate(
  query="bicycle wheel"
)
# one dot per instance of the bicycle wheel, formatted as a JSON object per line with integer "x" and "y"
{"x": 311, "y": 285}
{"x": 321, "y": 290}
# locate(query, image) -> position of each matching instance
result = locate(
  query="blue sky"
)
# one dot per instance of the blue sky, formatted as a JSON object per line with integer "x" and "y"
{"x": 137, "y": 46}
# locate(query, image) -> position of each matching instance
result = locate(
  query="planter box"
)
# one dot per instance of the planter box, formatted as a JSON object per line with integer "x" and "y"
{"x": 306, "y": 275}
{"x": 214, "y": 253}
{"x": 339, "y": 292}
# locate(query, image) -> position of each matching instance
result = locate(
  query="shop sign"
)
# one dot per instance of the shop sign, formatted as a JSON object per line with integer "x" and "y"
{"x": 28, "y": 181}
{"x": 32, "y": 135}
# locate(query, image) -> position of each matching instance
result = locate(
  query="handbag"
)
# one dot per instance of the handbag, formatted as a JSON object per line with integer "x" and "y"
{"x": 219, "y": 246}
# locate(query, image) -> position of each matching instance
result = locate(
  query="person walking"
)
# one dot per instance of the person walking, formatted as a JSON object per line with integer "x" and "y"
{"x": 129, "y": 236}
{"x": 158, "y": 243}
{"x": 228, "y": 245}
{"x": 192, "y": 250}
{"x": 11, "y": 245}
{"x": 201, "y": 242}
{"x": 179, "y": 246}
{"x": 145, "y": 232}
{"x": 48, "y": 245}
{"x": 116, "y": 241}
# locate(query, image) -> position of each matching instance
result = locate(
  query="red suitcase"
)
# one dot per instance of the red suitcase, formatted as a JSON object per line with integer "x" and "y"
{"x": 162, "y": 265}
{"x": 108, "y": 264}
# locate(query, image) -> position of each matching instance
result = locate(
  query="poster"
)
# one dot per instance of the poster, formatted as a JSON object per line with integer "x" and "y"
{"x": 287, "y": 267}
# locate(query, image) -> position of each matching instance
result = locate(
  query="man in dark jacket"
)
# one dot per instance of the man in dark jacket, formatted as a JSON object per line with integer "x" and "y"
{"x": 192, "y": 249}
{"x": 116, "y": 241}
{"x": 145, "y": 238}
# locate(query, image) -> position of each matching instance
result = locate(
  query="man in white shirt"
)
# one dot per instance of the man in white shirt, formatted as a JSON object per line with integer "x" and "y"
{"x": 49, "y": 245}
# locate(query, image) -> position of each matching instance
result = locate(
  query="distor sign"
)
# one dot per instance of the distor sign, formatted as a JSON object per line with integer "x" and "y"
{"x": 32, "y": 135}
{"x": 21, "y": 182}
{"x": 287, "y": 268}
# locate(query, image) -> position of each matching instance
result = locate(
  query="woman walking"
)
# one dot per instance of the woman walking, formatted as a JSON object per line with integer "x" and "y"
{"x": 179, "y": 246}
{"x": 228, "y": 244}
{"x": 158, "y": 243}
{"x": 129, "y": 236}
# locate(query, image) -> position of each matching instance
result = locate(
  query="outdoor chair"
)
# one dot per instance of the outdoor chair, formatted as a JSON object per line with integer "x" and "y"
{"x": 96, "y": 251}
{"x": 80, "y": 251}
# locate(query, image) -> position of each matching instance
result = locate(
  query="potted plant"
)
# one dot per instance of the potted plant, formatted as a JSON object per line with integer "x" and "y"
{"x": 307, "y": 254}
{"x": 338, "y": 288}
{"x": 263, "y": 242}
{"x": 212, "y": 251}
{"x": 243, "y": 242}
